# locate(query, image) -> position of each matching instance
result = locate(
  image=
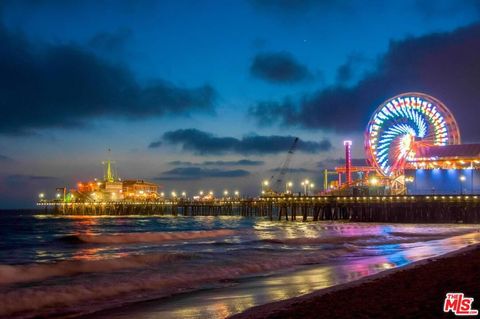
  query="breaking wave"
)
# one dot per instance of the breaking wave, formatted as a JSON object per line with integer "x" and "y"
{"x": 10, "y": 274}
{"x": 320, "y": 240}
{"x": 113, "y": 289}
{"x": 131, "y": 238}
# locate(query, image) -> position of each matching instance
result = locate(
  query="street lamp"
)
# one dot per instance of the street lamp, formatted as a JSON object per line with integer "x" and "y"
{"x": 306, "y": 185}
{"x": 237, "y": 193}
{"x": 265, "y": 184}
{"x": 200, "y": 193}
{"x": 288, "y": 188}
{"x": 174, "y": 194}
{"x": 41, "y": 195}
{"x": 225, "y": 193}
{"x": 184, "y": 194}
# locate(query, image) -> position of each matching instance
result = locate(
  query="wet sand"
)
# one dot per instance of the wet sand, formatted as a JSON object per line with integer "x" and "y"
{"x": 415, "y": 291}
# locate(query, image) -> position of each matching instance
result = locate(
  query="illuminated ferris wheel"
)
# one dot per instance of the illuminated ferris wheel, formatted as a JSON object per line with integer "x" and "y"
{"x": 403, "y": 124}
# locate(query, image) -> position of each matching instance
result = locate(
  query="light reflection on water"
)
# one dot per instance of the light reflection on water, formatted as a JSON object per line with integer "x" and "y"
{"x": 224, "y": 302}
{"x": 50, "y": 259}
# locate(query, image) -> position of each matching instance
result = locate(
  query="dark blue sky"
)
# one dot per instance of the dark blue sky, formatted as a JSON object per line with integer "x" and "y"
{"x": 208, "y": 94}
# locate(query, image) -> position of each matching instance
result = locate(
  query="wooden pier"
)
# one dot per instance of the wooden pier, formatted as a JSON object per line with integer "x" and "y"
{"x": 391, "y": 209}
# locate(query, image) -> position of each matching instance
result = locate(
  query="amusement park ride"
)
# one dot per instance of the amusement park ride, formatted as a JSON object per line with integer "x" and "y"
{"x": 408, "y": 132}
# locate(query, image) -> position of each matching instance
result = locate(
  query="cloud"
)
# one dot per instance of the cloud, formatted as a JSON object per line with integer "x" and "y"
{"x": 66, "y": 86}
{"x": 4, "y": 158}
{"x": 348, "y": 70}
{"x": 295, "y": 170}
{"x": 279, "y": 68}
{"x": 331, "y": 163}
{"x": 445, "y": 65}
{"x": 110, "y": 41}
{"x": 156, "y": 144}
{"x": 204, "y": 143}
{"x": 195, "y": 173}
{"x": 242, "y": 162}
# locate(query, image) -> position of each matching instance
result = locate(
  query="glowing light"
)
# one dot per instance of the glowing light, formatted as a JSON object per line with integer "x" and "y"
{"x": 463, "y": 178}
{"x": 373, "y": 181}
{"x": 41, "y": 195}
{"x": 404, "y": 123}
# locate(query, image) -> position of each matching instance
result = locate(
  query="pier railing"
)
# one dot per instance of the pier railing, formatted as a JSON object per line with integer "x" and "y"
{"x": 418, "y": 209}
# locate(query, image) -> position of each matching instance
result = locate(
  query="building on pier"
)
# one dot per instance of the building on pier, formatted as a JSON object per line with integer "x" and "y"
{"x": 137, "y": 188}
{"x": 111, "y": 188}
{"x": 449, "y": 169}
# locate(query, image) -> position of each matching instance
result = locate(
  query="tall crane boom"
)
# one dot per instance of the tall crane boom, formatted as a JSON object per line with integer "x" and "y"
{"x": 277, "y": 182}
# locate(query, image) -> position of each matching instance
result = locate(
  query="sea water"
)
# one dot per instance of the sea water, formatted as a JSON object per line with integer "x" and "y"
{"x": 193, "y": 267}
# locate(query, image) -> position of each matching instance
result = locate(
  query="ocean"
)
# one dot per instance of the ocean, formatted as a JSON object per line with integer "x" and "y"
{"x": 193, "y": 267}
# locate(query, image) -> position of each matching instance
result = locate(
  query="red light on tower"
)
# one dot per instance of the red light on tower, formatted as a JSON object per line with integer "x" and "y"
{"x": 348, "y": 160}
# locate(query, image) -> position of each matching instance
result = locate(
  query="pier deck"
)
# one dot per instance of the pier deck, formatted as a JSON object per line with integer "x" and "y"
{"x": 407, "y": 209}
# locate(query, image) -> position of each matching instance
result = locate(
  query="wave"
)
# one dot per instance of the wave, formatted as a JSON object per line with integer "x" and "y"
{"x": 131, "y": 238}
{"x": 423, "y": 235}
{"x": 320, "y": 240}
{"x": 367, "y": 239}
{"x": 11, "y": 274}
{"x": 107, "y": 290}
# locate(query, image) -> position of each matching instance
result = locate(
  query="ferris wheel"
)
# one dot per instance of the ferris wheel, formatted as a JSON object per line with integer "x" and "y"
{"x": 403, "y": 124}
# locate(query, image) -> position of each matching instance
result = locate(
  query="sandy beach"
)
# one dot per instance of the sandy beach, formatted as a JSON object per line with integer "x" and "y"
{"x": 415, "y": 291}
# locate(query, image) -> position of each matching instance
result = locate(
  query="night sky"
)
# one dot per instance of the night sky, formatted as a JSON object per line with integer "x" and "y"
{"x": 209, "y": 94}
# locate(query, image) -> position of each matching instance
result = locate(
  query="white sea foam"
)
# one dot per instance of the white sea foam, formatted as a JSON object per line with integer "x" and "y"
{"x": 130, "y": 238}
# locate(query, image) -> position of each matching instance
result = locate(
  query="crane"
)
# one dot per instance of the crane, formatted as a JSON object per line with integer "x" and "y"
{"x": 276, "y": 181}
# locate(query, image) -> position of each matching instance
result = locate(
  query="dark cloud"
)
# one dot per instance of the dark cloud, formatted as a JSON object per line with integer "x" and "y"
{"x": 331, "y": 163}
{"x": 156, "y": 144}
{"x": 4, "y": 158}
{"x": 296, "y": 170}
{"x": 242, "y": 162}
{"x": 445, "y": 65}
{"x": 65, "y": 86}
{"x": 347, "y": 71}
{"x": 110, "y": 42}
{"x": 279, "y": 68}
{"x": 183, "y": 163}
{"x": 195, "y": 173}
{"x": 204, "y": 143}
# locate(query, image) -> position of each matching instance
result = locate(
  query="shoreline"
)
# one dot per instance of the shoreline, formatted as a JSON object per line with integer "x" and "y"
{"x": 337, "y": 302}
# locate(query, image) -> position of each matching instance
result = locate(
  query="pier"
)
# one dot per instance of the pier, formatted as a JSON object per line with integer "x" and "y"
{"x": 389, "y": 209}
